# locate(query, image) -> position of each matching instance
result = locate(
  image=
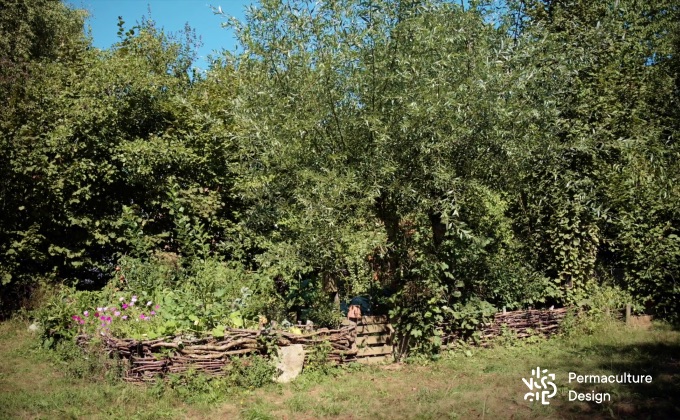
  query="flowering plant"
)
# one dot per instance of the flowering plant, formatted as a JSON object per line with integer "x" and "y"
{"x": 128, "y": 317}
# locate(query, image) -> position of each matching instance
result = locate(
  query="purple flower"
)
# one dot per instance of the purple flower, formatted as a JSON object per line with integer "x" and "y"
{"x": 124, "y": 317}
{"x": 131, "y": 304}
{"x": 75, "y": 317}
{"x": 86, "y": 313}
{"x": 108, "y": 319}
{"x": 142, "y": 316}
{"x": 125, "y": 306}
{"x": 134, "y": 298}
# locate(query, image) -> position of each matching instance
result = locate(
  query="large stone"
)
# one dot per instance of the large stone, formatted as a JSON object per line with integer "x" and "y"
{"x": 290, "y": 360}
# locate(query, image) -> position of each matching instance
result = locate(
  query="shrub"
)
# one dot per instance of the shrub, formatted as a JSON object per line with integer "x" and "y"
{"x": 317, "y": 358}
{"x": 251, "y": 372}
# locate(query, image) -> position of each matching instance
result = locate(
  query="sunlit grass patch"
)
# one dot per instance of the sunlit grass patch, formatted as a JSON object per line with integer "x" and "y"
{"x": 485, "y": 383}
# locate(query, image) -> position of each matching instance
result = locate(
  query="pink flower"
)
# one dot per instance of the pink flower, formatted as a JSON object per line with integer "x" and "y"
{"x": 125, "y": 306}
{"x": 117, "y": 313}
{"x": 75, "y": 317}
{"x": 156, "y": 307}
{"x": 108, "y": 319}
{"x": 103, "y": 318}
{"x": 82, "y": 322}
{"x": 96, "y": 314}
{"x": 124, "y": 317}
{"x": 100, "y": 309}
{"x": 86, "y": 313}
{"x": 132, "y": 303}
{"x": 134, "y": 298}
{"x": 142, "y": 316}
{"x": 153, "y": 312}
{"x": 121, "y": 299}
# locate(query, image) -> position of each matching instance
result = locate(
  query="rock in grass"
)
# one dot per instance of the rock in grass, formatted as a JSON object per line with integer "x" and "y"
{"x": 34, "y": 327}
{"x": 290, "y": 360}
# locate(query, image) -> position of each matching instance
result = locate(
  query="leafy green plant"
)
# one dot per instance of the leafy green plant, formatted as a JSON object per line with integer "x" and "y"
{"x": 466, "y": 319}
{"x": 251, "y": 372}
{"x": 316, "y": 359}
{"x": 194, "y": 387}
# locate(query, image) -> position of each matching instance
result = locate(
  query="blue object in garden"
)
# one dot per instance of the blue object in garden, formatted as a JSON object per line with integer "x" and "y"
{"x": 362, "y": 301}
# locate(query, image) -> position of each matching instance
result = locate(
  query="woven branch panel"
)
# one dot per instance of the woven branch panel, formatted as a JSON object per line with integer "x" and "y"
{"x": 522, "y": 324}
{"x": 148, "y": 359}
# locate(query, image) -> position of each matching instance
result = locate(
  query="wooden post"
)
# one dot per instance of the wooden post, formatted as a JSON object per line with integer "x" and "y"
{"x": 628, "y": 307}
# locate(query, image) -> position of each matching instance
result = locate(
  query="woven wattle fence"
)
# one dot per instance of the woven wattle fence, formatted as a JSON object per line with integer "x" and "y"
{"x": 520, "y": 324}
{"x": 148, "y": 359}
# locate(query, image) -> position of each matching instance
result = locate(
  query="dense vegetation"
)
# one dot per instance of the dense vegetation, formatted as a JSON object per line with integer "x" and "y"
{"x": 439, "y": 158}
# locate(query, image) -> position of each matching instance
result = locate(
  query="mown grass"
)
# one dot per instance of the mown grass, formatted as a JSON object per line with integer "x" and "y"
{"x": 485, "y": 384}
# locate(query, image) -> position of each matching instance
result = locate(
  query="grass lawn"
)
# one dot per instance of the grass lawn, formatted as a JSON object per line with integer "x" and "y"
{"x": 486, "y": 383}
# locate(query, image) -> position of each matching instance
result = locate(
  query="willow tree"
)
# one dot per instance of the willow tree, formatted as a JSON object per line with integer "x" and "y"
{"x": 377, "y": 152}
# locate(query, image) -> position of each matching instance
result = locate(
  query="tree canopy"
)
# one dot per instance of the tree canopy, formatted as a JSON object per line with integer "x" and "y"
{"x": 439, "y": 157}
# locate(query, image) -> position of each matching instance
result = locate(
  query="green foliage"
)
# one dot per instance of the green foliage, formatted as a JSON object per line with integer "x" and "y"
{"x": 605, "y": 300}
{"x": 91, "y": 363}
{"x": 316, "y": 358}
{"x": 162, "y": 271}
{"x": 251, "y": 372}
{"x": 55, "y": 316}
{"x": 196, "y": 387}
{"x": 313, "y": 304}
{"x": 440, "y": 159}
{"x": 467, "y": 318}
{"x": 193, "y": 387}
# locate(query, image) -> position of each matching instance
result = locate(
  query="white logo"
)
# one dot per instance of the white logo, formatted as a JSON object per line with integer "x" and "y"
{"x": 540, "y": 387}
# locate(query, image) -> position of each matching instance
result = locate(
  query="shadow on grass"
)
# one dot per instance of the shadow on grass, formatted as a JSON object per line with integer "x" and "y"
{"x": 657, "y": 400}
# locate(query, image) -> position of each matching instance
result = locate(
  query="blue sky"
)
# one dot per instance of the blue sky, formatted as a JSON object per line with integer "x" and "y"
{"x": 168, "y": 14}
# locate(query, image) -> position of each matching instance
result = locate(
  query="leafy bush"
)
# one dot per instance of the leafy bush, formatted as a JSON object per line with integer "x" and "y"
{"x": 604, "y": 300}
{"x": 251, "y": 372}
{"x": 55, "y": 317}
{"x": 89, "y": 362}
{"x": 316, "y": 359}
{"x": 467, "y": 318}
{"x": 193, "y": 387}
{"x": 161, "y": 271}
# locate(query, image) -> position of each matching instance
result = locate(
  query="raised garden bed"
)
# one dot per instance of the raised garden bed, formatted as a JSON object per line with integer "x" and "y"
{"x": 148, "y": 359}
